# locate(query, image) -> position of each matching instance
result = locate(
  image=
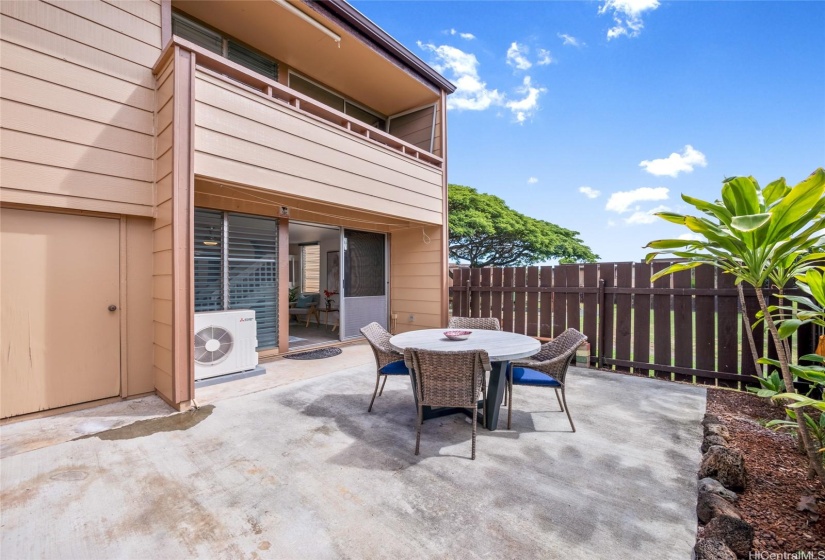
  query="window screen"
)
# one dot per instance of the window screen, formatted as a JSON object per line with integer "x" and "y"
{"x": 363, "y": 264}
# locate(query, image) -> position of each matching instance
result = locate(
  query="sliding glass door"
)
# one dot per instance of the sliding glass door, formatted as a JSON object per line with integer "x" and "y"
{"x": 364, "y": 281}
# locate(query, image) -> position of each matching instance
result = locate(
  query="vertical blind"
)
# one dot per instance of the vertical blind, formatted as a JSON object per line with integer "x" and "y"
{"x": 311, "y": 268}
{"x": 241, "y": 271}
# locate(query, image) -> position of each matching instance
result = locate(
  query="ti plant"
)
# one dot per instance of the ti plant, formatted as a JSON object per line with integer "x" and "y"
{"x": 760, "y": 236}
{"x": 770, "y": 385}
{"x": 815, "y": 428}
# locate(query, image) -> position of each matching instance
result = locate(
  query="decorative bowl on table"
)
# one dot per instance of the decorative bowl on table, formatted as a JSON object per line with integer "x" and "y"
{"x": 457, "y": 335}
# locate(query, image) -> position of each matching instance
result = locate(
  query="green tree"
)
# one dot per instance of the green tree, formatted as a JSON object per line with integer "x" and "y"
{"x": 487, "y": 232}
{"x": 761, "y": 237}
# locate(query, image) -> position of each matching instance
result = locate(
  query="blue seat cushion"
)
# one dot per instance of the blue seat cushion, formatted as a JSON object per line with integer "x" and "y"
{"x": 395, "y": 368}
{"x": 527, "y": 376}
{"x": 304, "y": 301}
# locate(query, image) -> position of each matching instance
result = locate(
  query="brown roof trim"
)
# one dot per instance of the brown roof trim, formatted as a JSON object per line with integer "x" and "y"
{"x": 361, "y": 23}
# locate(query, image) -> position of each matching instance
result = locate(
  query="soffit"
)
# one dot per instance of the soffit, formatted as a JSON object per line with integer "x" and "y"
{"x": 355, "y": 69}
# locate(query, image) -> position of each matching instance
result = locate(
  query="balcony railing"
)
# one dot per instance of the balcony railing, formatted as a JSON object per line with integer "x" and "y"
{"x": 219, "y": 66}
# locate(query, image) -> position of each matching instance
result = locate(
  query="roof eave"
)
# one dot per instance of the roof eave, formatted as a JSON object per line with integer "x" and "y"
{"x": 363, "y": 24}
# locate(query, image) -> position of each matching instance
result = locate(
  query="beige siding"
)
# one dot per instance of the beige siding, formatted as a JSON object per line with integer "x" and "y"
{"x": 140, "y": 378}
{"x": 437, "y": 139}
{"x": 78, "y": 102}
{"x": 416, "y": 128}
{"x": 162, "y": 292}
{"x": 245, "y": 138}
{"x": 416, "y": 276}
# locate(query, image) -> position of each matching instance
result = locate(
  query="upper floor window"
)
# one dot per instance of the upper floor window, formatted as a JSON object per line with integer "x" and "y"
{"x": 226, "y": 46}
{"x": 332, "y": 99}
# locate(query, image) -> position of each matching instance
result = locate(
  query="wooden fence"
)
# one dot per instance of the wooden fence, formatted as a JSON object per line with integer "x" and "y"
{"x": 685, "y": 327}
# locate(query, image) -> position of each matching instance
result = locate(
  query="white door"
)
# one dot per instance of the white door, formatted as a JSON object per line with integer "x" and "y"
{"x": 364, "y": 281}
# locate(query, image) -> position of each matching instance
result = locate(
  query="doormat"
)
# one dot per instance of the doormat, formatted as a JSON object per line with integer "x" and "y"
{"x": 314, "y": 354}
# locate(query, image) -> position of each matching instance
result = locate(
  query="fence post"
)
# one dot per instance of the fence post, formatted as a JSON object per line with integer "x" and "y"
{"x": 600, "y": 346}
{"x": 469, "y": 299}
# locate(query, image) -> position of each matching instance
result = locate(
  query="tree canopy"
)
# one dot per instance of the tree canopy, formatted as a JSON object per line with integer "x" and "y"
{"x": 487, "y": 232}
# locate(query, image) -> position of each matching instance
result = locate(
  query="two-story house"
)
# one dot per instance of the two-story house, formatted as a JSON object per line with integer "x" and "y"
{"x": 162, "y": 158}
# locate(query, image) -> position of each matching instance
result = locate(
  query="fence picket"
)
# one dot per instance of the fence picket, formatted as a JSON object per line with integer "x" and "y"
{"x": 559, "y": 301}
{"x": 521, "y": 301}
{"x": 661, "y": 323}
{"x": 624, "y": 279}
{"x": 573, "y": 298}
{"x": 590, "y": 309}
{"x": 705, "y": 322}
{"x": 495, "y": 298}
{"x": 683, "y": 325}
{"x": 641, "y": 317}
{"x": 509, "y": 298}
{"x": 486, "y": 281}
{"x": 607, "y": 272}
{"x": 546, "y": 302}
{"x": 533, "y": 301}
{"x": 728, "y": 325}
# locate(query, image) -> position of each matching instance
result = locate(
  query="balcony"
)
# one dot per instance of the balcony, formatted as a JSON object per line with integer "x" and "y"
{"x": 251, "y": 130}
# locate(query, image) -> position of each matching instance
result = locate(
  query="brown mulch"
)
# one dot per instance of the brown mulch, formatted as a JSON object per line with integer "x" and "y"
{"x": 777, "y": 475}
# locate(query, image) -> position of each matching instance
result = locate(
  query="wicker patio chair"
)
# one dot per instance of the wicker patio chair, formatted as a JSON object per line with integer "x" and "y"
{"x": 388, "y": 361}
{"x": 448, "y": 379}
{"x": 548, "y": 368}
{"x": 482, "y": 323}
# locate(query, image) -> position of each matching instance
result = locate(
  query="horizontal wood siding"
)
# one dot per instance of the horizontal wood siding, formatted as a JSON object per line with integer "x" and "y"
{"x": 416, "y": 278}
{"x": 243, "y": 138}
{"x": 162, "y": 255}
{"x": 78, "y": 101}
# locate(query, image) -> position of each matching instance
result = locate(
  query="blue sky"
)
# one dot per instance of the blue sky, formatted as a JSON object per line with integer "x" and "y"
{"x": 557, "y": 98}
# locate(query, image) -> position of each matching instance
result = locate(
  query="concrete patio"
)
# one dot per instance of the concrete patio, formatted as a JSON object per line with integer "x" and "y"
{"x": 300, "y": 470}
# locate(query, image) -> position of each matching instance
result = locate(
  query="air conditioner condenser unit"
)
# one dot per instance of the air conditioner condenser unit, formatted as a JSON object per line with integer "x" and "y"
{"x": 225, "y": 342}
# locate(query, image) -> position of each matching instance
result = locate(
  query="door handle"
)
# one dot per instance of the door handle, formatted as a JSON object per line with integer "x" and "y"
{"x": 113, "y": 307}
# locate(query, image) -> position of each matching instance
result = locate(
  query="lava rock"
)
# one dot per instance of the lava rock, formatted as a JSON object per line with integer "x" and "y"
{"x": 713, "y": 440}
{"x": 714, "y": 486}
{"x": 717, "y": 430}
{"x": 710, "y": 419}
{"x": 712, "y": 549}
{"x": 734, "y": 532}
{"x": 725, "y": 465}
{"x": 710, "y": 505}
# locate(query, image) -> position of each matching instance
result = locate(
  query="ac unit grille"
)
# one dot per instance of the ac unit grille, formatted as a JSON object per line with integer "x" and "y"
{"x": 212, "y": 345}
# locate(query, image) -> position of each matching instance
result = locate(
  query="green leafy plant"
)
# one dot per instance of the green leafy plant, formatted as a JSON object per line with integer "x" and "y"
{"x": 293, "y": 293}
{"x": 770, "y": 385}
{"x": 815, "y": 427}
{"x": 759, "y": 236}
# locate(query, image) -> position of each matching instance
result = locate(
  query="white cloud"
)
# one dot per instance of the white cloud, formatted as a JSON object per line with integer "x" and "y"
{"x": 532, "y": 180}
{"x": 676, "y": 163}
{"x": 467, "y": 36}
{"x": 544, "y": 57}
{"x": 690, "y": 237}
{"x": 570, "y": 40}
{"x": 517, "y": 56}
{"x": 525, "y": 107}
{"x": 627, "y": 15}
{"x": 640, "y": 217}
{"x": 589, "y": 192}
{"x": 471, "y": 92}
{"x": 621, "y": 201}
{"x": 611, "y": 223}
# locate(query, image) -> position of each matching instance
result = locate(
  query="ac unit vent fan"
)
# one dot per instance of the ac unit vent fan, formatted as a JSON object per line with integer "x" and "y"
{"x": 212, "y": 345}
